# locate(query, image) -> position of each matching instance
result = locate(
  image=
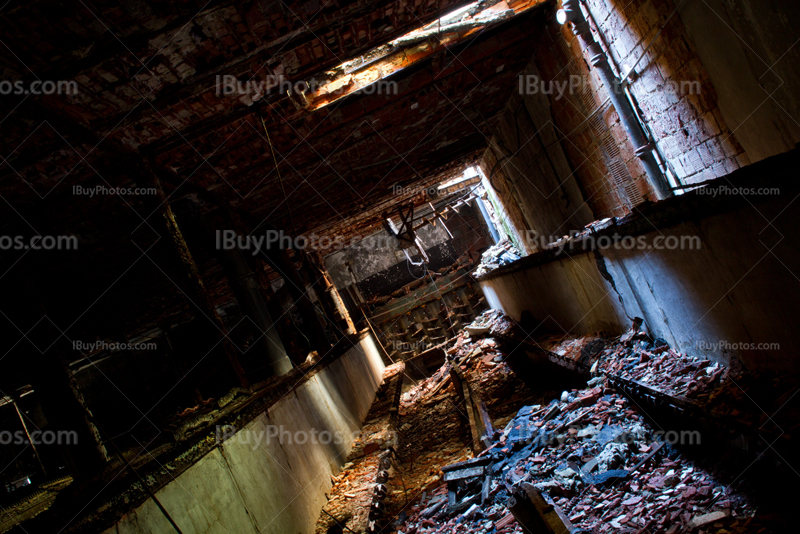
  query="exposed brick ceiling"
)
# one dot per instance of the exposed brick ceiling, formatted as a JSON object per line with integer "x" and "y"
{"x": 147, "y": 76}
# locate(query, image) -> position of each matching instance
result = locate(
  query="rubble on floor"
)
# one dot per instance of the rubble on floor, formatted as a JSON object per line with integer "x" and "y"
{"x": 432, "y": 427}
{"x": 484, "y": 363}
{"x": 356, "y": 497}
{"x": 718, "y": 395}
{"x": 634, "y": 356}
{"x": 430, "y": 432}
{"x": 589, "y": 455}
{"x": 500, "y": 254}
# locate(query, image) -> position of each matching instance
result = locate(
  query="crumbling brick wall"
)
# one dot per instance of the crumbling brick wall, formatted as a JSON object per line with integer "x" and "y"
{"x": 671, "y": 86}
{"x": 671, "y": 89}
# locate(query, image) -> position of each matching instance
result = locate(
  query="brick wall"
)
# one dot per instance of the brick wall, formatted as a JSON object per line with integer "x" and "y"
{"x": 670, "y": 87}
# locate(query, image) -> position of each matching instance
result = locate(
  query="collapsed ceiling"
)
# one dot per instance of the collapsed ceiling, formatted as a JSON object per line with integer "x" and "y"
{"x": 155, "y": 93}
{"x": 151, "y": 94}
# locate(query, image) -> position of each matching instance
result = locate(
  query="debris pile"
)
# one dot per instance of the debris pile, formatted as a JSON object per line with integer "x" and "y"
{"x": 483, "y": 362}
{"x": 574, "y": 238}
{"x": 585, "y": 460}
{"x": 635, "y": 356}
{"x": 356, "y": 498}
{"x": 590, "y": 454}
{"x": 500, "y": 254}
{"x": 495, "y": 323}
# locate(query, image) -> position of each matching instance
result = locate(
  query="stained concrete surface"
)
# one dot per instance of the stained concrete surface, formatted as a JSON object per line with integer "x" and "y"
{"x": 736, "y": 291}
{"x": 262, "y": 484}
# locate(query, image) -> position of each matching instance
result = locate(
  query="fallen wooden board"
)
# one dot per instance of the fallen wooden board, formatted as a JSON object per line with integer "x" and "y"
{"x": 470, "y": 472}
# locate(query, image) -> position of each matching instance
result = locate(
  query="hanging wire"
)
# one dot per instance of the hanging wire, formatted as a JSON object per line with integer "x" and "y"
{"x": 280, "y": 179}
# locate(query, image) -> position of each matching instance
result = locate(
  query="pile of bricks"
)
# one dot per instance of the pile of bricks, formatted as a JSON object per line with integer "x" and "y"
{"x": 355, "y": 499}
{"x": 635, "y": 356}
{"x": 587, "y": 460}
{"x": 591, "y": 455}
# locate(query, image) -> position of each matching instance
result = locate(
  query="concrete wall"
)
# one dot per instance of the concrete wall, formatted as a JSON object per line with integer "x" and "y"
{"x": 739, "y": 287}
{"x": 252, "y": 483}
{"x": 374, "y": 254}
{"x": 527, "y": 163}
{"x": 748, "y": 48}
{"x": 380, "y": 267}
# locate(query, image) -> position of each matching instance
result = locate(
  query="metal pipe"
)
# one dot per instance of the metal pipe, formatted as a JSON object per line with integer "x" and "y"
{"x": 627, "y": 117}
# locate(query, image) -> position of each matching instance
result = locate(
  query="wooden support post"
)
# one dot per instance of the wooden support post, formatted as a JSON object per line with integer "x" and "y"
{"x": 331, "y": 295}
{"x": 66, "y": 410}
{"x": 312, "y": 326}
{"x": 54, "y": 385}
{"x": 313, "y": 283}
{"x": 474, "y": 429}
{"x": 320, "y": 282}
{"x": 487, "y": 487}
{"x": 466, "y": 404}
{"x": 192, "y": 283}
{"x": 487, "y": 430}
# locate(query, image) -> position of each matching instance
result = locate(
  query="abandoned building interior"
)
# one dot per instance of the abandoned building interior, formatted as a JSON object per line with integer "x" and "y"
{"x": 399, "y": 266}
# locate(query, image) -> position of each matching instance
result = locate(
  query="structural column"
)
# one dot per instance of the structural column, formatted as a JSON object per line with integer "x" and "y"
{"x": 192, "y": 282}
{"x": 44, "y": 356}
{"x": 279, "y": 259}
{"x": 68, "y": 415}
{"x": 248, "y": 293}
{"x": 333, "y": 294}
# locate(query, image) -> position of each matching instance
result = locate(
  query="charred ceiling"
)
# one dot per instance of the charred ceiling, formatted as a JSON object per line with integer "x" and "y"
{"x": 161, "y": 97}
{"x": 148, "y": 95}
